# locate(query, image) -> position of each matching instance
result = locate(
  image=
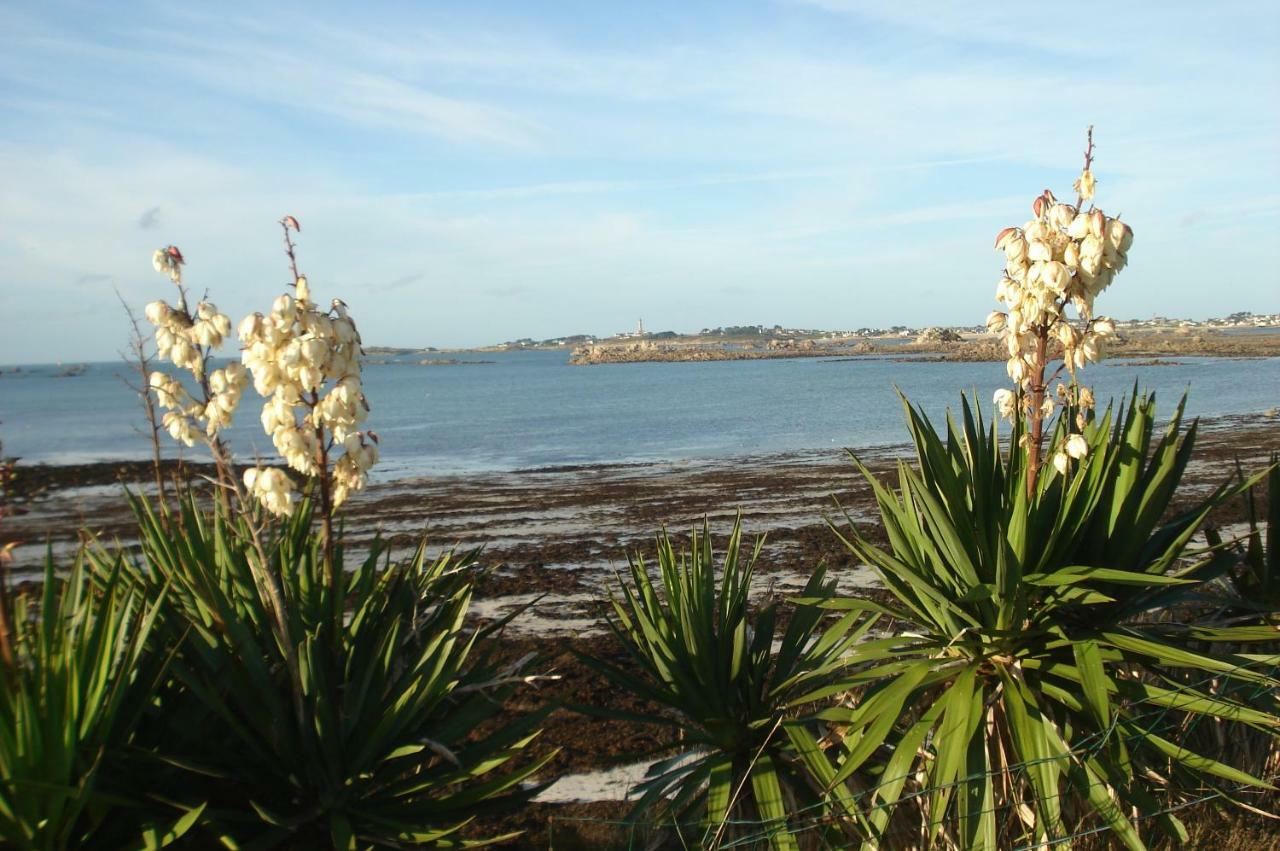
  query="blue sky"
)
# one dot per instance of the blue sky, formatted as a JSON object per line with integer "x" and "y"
{"x": 472, "y": 172}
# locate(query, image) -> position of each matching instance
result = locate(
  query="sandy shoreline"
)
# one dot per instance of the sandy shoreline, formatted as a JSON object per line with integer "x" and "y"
{"x": 578, "y": 519}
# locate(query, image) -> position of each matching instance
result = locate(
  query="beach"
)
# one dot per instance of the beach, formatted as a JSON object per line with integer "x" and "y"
{"x": 553, "y": 540}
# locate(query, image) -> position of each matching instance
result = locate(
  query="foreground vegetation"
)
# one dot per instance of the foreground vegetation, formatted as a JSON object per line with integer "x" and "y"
{"x": 1058, "y": 654}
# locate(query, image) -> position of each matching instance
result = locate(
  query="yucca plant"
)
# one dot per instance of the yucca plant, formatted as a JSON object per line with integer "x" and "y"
{"x": 1257, "y": 583}
{"x": 1252, "y": 598}
{"x": 699, "y": 650}
{"x": 1047, "y": 650}
{"x": 70, "y": 703}
{"x": 368, "y": 733}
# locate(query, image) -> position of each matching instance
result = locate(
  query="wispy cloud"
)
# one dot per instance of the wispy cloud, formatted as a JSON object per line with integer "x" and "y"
{"x": 150, "y": 218}
{"x": 400, "y": 282}
{"x": 777, "y": 164}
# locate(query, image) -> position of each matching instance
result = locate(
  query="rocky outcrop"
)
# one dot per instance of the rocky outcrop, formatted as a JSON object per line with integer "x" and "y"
{"x": 931, "y": 336}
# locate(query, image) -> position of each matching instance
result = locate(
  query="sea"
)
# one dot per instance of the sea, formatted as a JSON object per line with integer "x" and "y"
{"x": 516, "y": 410}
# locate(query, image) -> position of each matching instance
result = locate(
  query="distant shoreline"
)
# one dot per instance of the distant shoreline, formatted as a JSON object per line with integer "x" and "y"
{"x": 974, "y": 348}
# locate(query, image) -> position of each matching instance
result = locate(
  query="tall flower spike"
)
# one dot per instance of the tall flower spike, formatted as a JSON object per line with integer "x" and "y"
{"x": 306, "y": 361}
{"x": 1056, "y": 264}
{"x": 188, "y": 340}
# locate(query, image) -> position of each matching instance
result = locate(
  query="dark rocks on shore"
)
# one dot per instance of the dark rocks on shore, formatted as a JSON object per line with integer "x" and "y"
{"x": 938, "y": 335}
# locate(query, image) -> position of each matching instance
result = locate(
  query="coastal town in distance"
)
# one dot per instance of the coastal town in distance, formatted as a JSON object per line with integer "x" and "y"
{"x": 1240, "y": 334}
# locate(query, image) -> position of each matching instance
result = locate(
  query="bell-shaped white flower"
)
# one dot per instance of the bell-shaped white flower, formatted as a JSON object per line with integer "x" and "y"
{"x": 1060, "y": 463}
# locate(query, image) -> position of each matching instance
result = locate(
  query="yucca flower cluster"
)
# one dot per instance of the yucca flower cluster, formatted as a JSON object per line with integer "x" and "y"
{"x": 307, "y": 362}
{"x": 187, "y": 339}
{"x": 1064, "y": 257}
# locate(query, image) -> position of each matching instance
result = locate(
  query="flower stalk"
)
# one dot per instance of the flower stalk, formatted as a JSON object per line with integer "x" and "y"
{"x": 1056, "y": 265}
{"x": 188, "y": 338}
{"x": 306, "y": 362}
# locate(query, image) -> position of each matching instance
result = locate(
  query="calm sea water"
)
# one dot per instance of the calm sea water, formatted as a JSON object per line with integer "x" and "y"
{"x": 532, "y": 409}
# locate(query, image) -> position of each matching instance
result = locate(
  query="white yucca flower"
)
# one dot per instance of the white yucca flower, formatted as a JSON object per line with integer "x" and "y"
{"x": 306, "y": 361}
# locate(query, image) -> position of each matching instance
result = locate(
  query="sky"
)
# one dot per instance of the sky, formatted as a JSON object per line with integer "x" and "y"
{"x": 472, "y": 172}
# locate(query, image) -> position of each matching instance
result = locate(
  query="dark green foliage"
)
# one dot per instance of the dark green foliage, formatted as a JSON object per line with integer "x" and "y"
{"x": 699, "y": 651}
{"x": 69, "y": 707}
{"x": 371, "y": 734}
{"x": 1047, "y": 651}
{"x": 1258, "y": 582}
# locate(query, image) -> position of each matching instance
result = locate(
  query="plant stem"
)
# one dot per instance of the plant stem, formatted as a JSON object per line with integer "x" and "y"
{"x": 138, "y": 349}
{"x": 289, "y": 250}
{"x": 1088, "y": 161}
{"x": 325, "y": 485}
{"x": 1035, "y": 435}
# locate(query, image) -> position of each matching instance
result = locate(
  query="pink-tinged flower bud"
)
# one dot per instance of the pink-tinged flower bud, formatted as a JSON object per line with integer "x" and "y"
{"x": 1119, "y": 235}
{"x": 996, "y": 321}
{"x": 1097, "y": 224}
{"x": 1016, "y": 250}
{"x": 1060, "y": 463}
{"x": 1077, "y": 446}
{"x": 1038, "y": 206}
{"x": 1004, "y": 236}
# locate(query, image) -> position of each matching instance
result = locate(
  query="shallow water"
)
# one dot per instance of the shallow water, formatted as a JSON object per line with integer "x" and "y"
{"x": 533, "y": 409}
